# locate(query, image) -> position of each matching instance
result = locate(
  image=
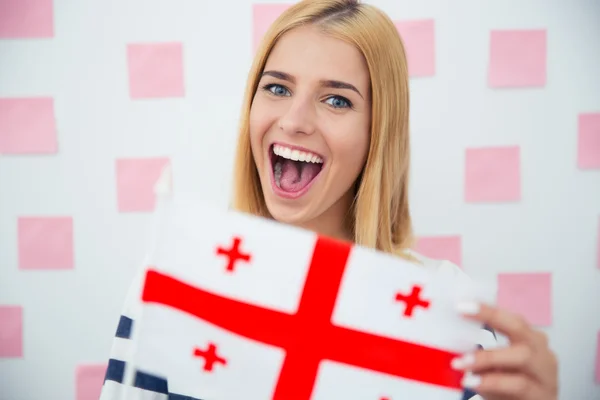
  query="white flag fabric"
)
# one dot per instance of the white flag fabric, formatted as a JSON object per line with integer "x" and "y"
{"x": 238, "y": 307}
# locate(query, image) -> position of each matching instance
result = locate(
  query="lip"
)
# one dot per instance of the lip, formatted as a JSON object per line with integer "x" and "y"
{"x": 282, "y": 193}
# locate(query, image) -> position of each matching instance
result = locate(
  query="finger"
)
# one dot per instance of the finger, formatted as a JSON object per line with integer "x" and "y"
{"x": 540, "y": 339}
{"x": 502, "y": 384}
{"x": 510, "y": 324}
{"x": 517, "y": 357}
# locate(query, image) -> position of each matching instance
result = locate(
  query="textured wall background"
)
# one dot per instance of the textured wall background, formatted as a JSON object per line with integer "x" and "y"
{"x": 96, "y": 96}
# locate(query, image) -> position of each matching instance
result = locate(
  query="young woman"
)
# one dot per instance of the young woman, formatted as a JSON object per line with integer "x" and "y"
{"x": 324, "y": 145}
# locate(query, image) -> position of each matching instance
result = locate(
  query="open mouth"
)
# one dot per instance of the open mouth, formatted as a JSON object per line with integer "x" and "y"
{"x": 293, "y": 169}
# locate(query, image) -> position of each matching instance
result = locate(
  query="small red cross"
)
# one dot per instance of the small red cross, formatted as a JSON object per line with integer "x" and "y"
{"x": 412, "y": 301}
{"x": 233, "y": 254}
{"x": 210, "y": 356}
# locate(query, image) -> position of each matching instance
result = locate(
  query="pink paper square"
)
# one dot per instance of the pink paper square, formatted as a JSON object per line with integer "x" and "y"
{"x": 527, "y": 294}
{"x": 588, "y": 141}
{"x": 89, "y": 380}
{"x": 155, "y": 70}
{"x": 598, "y": 359}
{"x": 136, "y": 178}
{"x": 441, "y": 248}
{"x": 263, "y": 16}
{"x": 27, "y": 125}
{"x": 26, "y": 19}
{"x": 492, "y": 174}
{"x": 45, "y": 242}
{"x": 517, "y": 58}
{"x": 419, "y": 43}
{"x": 11, "y": 331}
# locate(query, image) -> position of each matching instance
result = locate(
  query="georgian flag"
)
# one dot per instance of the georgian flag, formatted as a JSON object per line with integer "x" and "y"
{"x": 238, "y": 307}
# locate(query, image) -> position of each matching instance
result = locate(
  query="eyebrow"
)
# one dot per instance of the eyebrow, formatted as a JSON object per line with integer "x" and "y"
{"x": 326, "y": 83}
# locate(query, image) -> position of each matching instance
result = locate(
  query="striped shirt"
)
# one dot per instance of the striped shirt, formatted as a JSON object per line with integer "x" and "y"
{"x": 149, "y": 387}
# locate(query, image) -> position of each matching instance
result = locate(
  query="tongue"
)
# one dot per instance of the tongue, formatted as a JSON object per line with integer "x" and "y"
{"x": 295, "y": 175}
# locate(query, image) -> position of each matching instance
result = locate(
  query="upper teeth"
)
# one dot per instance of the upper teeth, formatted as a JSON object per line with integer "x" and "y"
{"x": 296, "y": 155}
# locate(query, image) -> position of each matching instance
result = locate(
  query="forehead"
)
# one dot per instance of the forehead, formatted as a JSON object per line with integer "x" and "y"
{"x": 305, "y": 52}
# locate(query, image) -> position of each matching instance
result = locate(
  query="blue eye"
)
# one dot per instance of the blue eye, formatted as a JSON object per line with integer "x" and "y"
{"x": 277, "y": 90}
{"x": 281, "y": 91}
{"x": 338, "y": 102}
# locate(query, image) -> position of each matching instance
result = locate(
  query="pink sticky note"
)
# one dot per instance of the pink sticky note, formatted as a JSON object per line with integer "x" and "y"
{"x": 598, "y": 359}
{"x": 89, "y": 380}
{"x": 517, "y": 58}
{"x": 155, "y": 70}
{"x": 27, "y": 125}
{"x": 136, "y": 178}
{"x": 492, "y": 174}
{"x": 11, "y": 331}
{"x": 528, "y": 294}
{"x": 26, "y": 19}
{"x": 588, "y": 141}
{"x": 45, "y": 242}
{"x": 263, "y": 16}
{"x": 419, "y": 43}
{"x": 441, "y": 248}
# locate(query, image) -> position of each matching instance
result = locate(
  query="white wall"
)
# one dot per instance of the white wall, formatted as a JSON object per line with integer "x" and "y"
{"x": 70, "y": 315}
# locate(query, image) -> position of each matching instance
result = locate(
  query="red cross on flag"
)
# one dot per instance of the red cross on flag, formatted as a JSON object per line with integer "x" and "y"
{"x": 240, "y": 307}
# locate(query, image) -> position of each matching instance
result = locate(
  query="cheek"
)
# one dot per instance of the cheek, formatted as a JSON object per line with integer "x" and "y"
{"x": 260, "y": 121}
{"x": 350, "y": 152}
{"x": 257, "y": 132}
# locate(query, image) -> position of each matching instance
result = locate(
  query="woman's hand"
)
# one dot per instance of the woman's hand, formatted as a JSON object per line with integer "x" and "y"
{"x": 526, "y": 370}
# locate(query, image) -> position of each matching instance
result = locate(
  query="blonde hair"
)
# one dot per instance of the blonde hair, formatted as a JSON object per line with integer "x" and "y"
{"x": 380, "y": 212}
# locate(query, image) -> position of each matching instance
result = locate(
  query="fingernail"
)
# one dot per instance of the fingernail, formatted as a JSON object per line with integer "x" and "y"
{"x": 460, "y": 363}
{"x": 471, "y": 381}
{"x": 468, "y": 308}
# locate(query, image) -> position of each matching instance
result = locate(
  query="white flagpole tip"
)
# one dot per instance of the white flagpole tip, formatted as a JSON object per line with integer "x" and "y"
{"x": 163, "y": 185}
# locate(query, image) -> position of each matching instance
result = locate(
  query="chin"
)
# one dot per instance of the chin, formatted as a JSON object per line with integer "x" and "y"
{"x": 293, "y": 214}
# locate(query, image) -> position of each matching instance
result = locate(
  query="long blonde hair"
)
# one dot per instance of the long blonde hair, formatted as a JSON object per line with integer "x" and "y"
{"x": 380, "y": 211}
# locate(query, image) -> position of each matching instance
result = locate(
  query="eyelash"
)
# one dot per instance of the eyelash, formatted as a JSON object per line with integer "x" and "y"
{"x": 270, "y": 86}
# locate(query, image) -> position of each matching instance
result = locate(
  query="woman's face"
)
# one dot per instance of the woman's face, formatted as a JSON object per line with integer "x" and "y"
{"x": 309, "y": 128}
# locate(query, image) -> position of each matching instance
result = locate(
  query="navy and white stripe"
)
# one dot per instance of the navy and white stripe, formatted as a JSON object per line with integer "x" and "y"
{"x": 150, "y": 386}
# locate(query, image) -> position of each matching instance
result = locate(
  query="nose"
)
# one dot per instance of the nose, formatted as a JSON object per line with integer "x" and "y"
{"x": 299, "y": 118}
